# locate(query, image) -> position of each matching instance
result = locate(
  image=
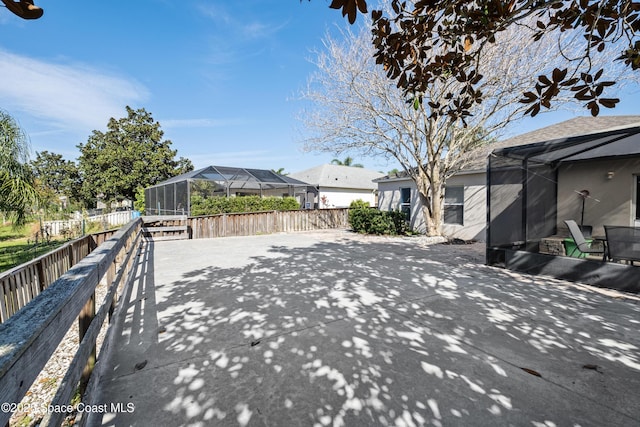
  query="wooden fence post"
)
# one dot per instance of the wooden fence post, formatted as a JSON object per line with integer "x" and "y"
{"x": 84, "y": 321}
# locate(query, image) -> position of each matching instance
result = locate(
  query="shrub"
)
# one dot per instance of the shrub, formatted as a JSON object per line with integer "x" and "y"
{"x": 359, "y": 204}
{"x": 217, "y": 205}
{"x": 372, "y": 221}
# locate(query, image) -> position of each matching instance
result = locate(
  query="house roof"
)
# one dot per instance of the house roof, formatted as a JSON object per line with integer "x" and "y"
{"x": 619, "y": 142}
{"x": 579, "y": 126}
{"x": 334, "y": 176}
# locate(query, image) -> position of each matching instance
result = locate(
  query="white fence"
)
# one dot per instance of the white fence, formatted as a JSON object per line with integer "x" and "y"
{"x": 58, "y": 228}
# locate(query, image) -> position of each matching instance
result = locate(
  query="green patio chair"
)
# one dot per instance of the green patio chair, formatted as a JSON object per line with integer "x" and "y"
{"x": 581, "y": 244}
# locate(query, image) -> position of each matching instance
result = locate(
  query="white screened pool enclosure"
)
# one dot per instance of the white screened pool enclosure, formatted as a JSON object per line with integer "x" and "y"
{"x": 173, "y": 196}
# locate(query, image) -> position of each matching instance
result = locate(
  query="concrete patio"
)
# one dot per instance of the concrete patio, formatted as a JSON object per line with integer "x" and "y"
{"x": 336, "y": 329}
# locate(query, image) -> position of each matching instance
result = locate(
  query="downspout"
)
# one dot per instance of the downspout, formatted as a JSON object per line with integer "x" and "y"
{"x": 525, "y": 198}
{"x": 188, "y": 197}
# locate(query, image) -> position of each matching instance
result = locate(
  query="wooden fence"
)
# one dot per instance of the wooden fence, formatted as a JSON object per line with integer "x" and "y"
{"x": 254, "y": 223}
{"x": 30, "y": 337}
{"x": 21, "y": 284}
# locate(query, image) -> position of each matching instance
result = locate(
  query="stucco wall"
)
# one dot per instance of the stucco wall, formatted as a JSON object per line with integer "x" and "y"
{"x": 612, "y": 200}
{"x": 475, "y": 211}
{"x": 475, "y": 207}
{"x": 342, "y": 197}
{"x": 389, "y": 199}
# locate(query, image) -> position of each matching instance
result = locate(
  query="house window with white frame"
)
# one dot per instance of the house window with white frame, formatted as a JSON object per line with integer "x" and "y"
{"x": 454, "y": 205}
{"x": 405, "y": 202}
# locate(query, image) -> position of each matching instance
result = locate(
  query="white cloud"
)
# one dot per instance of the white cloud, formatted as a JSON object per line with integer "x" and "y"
{"x": 66, "y": 96}
{"x": 244, "y": 27}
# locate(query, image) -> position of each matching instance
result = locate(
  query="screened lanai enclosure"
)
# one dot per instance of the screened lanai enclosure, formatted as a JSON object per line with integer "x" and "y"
{"x": 592, "y": 179}
{"x": 173, "y": 196}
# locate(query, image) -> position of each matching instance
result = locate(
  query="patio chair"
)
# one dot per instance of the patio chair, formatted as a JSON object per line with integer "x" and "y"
{"x": 582, "y": 245}
{"x": 623, "y": 243}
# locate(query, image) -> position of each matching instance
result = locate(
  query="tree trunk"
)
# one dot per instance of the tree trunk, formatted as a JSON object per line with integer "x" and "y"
{"x": 436, "y": 209}
{"x": 430, "y": 191}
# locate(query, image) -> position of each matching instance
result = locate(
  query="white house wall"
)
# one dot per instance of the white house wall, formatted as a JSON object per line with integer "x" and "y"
{"x": 342, "y": 197}
{"x": 474, "y": 211}
{"x": 475, "y": 207}
{"x": 612, "y": 196}
{"x": 389, "y": 199}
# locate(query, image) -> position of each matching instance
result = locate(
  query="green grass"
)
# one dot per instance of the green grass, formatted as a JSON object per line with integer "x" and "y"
{"x": 17, "y": 246}
{"x": 8, "y": 232}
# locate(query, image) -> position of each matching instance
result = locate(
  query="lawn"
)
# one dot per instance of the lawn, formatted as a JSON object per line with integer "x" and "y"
{"x": 17, "y": 245}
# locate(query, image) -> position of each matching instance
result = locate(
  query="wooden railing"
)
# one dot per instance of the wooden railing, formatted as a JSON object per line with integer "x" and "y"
{"x": 250, "y": 224}
{"x": 29, "y": 338}
{"x": 21, "y": 284}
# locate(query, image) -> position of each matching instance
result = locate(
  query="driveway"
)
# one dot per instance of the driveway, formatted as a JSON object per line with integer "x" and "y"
{"x": 337, "y": 329}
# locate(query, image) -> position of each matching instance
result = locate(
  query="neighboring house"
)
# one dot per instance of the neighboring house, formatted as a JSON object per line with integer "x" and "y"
{"x": 338, "y": 186}
{"x": 465, "y": 210}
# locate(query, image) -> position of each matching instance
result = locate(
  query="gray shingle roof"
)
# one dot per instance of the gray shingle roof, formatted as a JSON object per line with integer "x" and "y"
{"x": 573, "y": 127}
{"x": 339, "y": 177}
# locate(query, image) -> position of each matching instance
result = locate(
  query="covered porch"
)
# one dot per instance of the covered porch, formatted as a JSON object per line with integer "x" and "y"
{"x": 592, "y": 179}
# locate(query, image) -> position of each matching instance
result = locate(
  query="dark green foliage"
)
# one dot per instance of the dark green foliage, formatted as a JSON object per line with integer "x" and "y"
{"x": 56, "y": 177}
{"x": 217, "y": 205}
{"x": 130, "y": 154}
{"x": 372, "y": 221}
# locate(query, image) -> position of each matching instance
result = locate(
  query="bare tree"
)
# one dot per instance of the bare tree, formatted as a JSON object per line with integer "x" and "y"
{"x": 355, "y": 107}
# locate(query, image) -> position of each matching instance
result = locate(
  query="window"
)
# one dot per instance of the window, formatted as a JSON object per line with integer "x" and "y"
{"x": 405, "y": 202}
{"x": 454, "y": 205}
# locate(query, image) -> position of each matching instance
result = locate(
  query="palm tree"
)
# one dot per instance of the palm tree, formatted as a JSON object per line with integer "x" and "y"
{"x": 393, "y": 171}
{"x": 17, "y": 193}
{"x": 280, "y": 171}
{"x": 348, "y": 161}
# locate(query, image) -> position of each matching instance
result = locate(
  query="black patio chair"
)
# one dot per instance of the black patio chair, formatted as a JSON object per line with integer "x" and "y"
{"x": 623, "y": 243}
{"x": 582, "y": 245}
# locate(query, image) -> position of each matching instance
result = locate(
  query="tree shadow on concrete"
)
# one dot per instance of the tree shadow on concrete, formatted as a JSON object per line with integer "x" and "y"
{"x": 371, "y": 332}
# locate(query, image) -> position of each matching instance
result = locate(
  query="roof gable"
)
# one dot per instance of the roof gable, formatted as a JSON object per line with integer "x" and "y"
{"x": 339, "y": 177}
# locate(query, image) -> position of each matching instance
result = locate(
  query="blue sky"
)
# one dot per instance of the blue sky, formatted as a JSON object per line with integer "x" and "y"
{"x": 221, "y": 77}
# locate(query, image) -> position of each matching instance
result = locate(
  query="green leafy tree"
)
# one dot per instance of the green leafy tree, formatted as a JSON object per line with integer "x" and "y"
{"x": 129, "y": 155}
{"x": 420, "y": 43}
{"x": 56, "y": 177}
{"x": 348, "y": 161}
{"x": 139, "y": 202}
{"x": 17, "y": 193}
